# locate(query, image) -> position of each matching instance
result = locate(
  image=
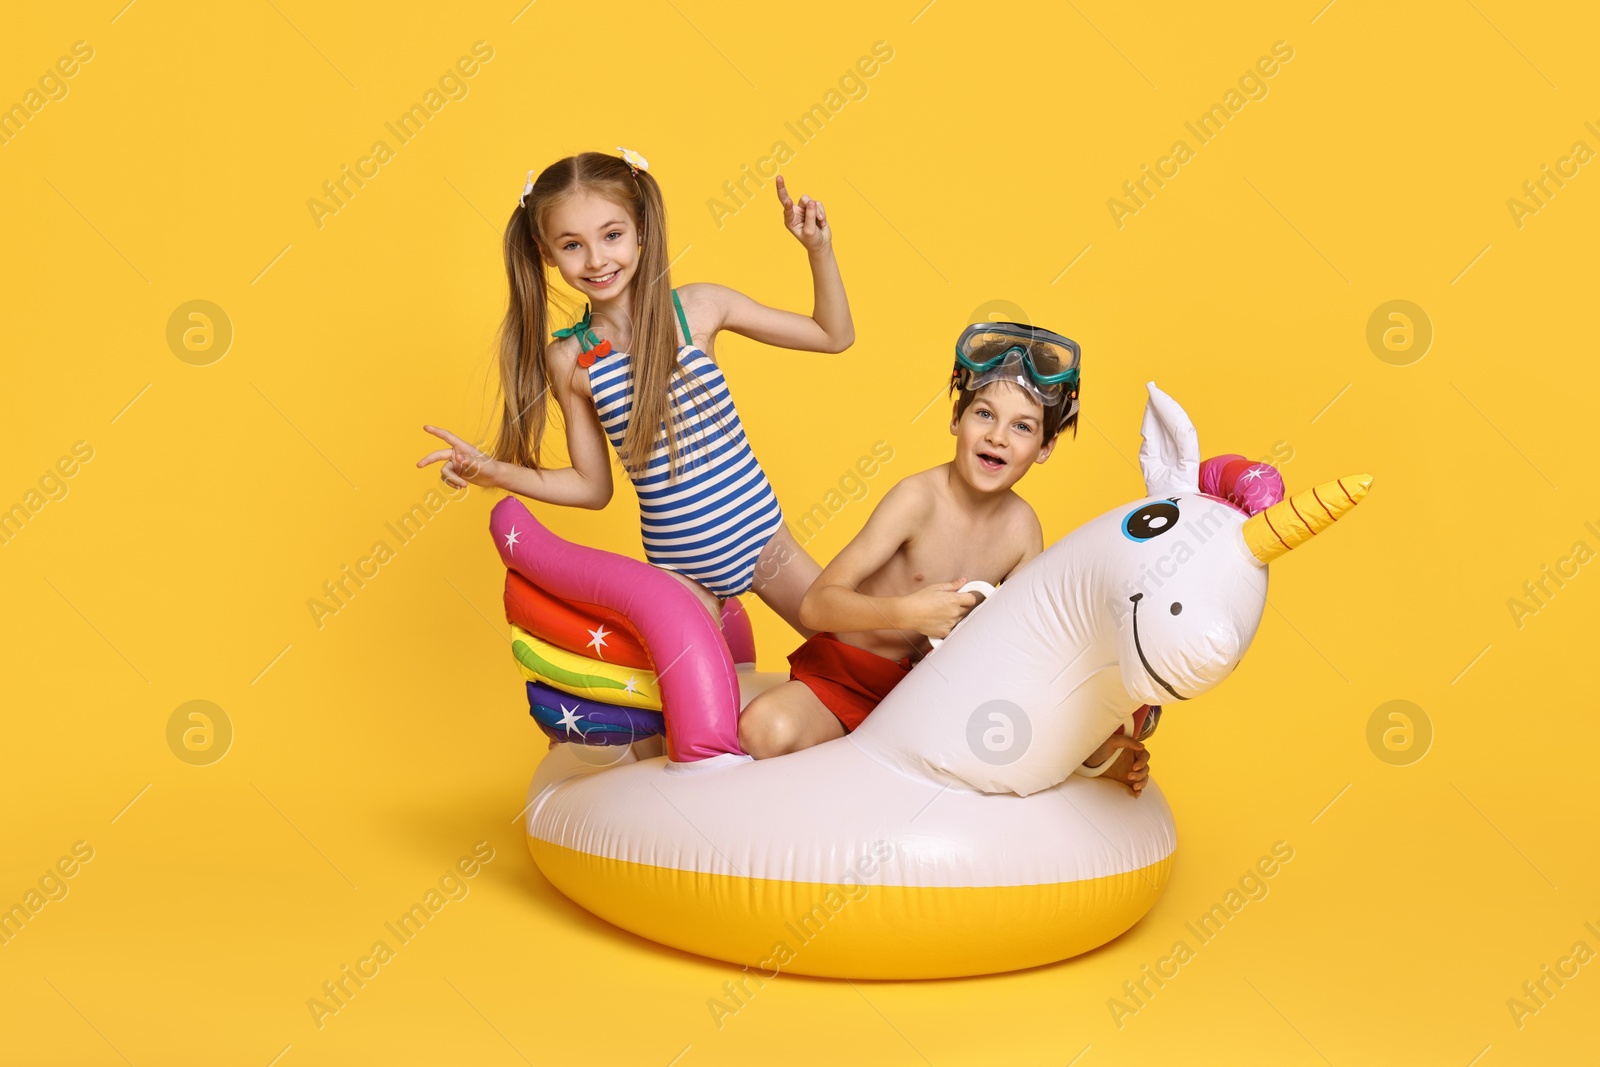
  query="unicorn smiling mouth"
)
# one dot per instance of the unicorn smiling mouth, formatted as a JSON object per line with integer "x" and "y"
{"x": 1151, "y": 671}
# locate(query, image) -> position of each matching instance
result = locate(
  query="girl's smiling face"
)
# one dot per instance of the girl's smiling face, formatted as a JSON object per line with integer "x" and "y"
{"x": 594, "y": 243}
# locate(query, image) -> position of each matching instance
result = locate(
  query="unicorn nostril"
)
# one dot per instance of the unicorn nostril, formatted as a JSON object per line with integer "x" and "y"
{"x": 1177, "y": 608}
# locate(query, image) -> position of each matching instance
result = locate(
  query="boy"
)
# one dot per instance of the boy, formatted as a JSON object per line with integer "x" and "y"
{"x": 882, "y": 597}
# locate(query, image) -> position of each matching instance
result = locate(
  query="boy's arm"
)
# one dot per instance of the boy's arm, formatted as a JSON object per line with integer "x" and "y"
{"x": 834, "y": 603}
{"x": 1032, "y": 542}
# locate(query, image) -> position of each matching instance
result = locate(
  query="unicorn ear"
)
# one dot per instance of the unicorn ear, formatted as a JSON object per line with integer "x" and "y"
{"x": 1170, "y": 455}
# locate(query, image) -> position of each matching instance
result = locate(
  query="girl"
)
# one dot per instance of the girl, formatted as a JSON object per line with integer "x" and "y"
{"x": 707, "y": 512}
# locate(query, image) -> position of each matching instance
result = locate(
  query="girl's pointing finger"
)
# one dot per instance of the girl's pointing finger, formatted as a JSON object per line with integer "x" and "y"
{"x": 446, "y": 434}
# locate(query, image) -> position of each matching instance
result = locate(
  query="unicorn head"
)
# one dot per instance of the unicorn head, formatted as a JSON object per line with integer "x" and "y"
{"x": 1153, "y": 602}
{"x": 1188, "y": 576}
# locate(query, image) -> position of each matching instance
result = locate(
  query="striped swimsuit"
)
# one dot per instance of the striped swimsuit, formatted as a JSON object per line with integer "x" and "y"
{"x": 712, "y": 523}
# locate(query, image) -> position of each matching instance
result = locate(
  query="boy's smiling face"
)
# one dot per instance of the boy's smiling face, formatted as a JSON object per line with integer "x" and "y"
{"x": 998, "y": 437}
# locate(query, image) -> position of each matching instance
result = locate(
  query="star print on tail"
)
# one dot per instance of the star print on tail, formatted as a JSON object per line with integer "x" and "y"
{"x": 582, "y": 676}
{"x": 570, "y": 719}
{"x": 584, "y": 629}
{"x": 558, "y": 715}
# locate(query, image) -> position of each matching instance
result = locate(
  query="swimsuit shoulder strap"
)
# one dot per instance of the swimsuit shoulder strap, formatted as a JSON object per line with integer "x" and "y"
{"x": 682, "y": 319}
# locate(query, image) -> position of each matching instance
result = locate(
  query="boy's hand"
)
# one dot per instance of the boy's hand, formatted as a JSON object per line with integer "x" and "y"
{"x": 806, "y": 220}
{"x": 934, "y": 610}
{"x": 1132, "y": 770}
{"x": 463, "y": 463}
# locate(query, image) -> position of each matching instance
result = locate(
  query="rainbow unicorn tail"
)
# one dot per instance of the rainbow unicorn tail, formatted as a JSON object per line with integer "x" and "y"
{"x": 589, "y": 627}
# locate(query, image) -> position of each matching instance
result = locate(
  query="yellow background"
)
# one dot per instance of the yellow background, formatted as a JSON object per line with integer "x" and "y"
{"x": 369, "y": 754}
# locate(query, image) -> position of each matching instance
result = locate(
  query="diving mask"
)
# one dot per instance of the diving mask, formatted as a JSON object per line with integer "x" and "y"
{"x": 1043, "y": 363}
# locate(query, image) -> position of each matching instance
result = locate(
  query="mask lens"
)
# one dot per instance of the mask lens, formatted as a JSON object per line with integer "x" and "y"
{"x": 986, "y": 352}
{"x": 1027, "y": 355}
{"x": 1045, "y": 360}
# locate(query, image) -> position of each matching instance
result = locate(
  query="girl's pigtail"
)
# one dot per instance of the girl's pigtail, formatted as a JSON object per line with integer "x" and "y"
{"x": 654, "y": 348}
{"x": 524, "y": 389}
{"x": 656, "y": 370}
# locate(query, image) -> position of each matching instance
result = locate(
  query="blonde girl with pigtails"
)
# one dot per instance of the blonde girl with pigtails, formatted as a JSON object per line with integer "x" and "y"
{"x": 638, "y": 368}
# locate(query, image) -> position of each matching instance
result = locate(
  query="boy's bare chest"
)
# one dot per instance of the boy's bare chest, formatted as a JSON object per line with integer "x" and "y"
{"x": 945, "y": 553}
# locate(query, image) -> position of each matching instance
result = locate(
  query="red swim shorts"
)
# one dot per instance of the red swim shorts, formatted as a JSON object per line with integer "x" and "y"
{"x": 849, "y": 681}
{"x": 1144, "y": 721}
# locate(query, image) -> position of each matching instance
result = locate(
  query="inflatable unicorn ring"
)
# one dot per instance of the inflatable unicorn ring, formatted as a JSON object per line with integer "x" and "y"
{"x": 948, "y": 835}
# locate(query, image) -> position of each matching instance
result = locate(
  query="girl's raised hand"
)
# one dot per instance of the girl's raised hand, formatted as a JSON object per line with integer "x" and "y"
{"x": 463, "y": 463}
{"x": 806, "y": 220}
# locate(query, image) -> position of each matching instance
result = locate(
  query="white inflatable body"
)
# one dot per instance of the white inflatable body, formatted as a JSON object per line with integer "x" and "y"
{"x": 948, "y": 835}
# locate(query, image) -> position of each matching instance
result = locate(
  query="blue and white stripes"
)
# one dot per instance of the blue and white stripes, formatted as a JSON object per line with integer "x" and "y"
{"x": 711, "y": 524}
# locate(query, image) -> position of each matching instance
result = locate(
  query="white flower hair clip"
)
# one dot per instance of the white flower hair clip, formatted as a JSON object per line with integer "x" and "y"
{"x": 634, "y": 159}
{"x": 522, "y": 201}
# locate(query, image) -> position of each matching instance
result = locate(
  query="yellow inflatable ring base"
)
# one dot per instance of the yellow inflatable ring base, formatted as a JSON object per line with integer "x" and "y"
{"x": 812, "y": 928}
{"x": 873, "y": 875}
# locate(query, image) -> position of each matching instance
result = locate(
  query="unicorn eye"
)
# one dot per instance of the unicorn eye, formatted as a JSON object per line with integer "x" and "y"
{"x": 1150, "y": 520}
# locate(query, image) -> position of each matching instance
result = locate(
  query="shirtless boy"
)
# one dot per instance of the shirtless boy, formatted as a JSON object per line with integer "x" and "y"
{"x": 880, "y": 600}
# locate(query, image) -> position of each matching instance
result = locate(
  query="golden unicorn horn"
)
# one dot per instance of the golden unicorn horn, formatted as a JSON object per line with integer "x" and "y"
{"x": 1291, "y": 523}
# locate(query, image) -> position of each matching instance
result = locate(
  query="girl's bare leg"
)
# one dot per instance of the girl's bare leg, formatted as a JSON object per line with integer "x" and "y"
{"x": 704, "y": 595}
{"x": 784, "y": 572}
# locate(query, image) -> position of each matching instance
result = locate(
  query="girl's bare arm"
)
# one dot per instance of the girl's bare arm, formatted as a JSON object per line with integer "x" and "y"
{"x": 827, "y": 329}
{"x": 585, "y": 484}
